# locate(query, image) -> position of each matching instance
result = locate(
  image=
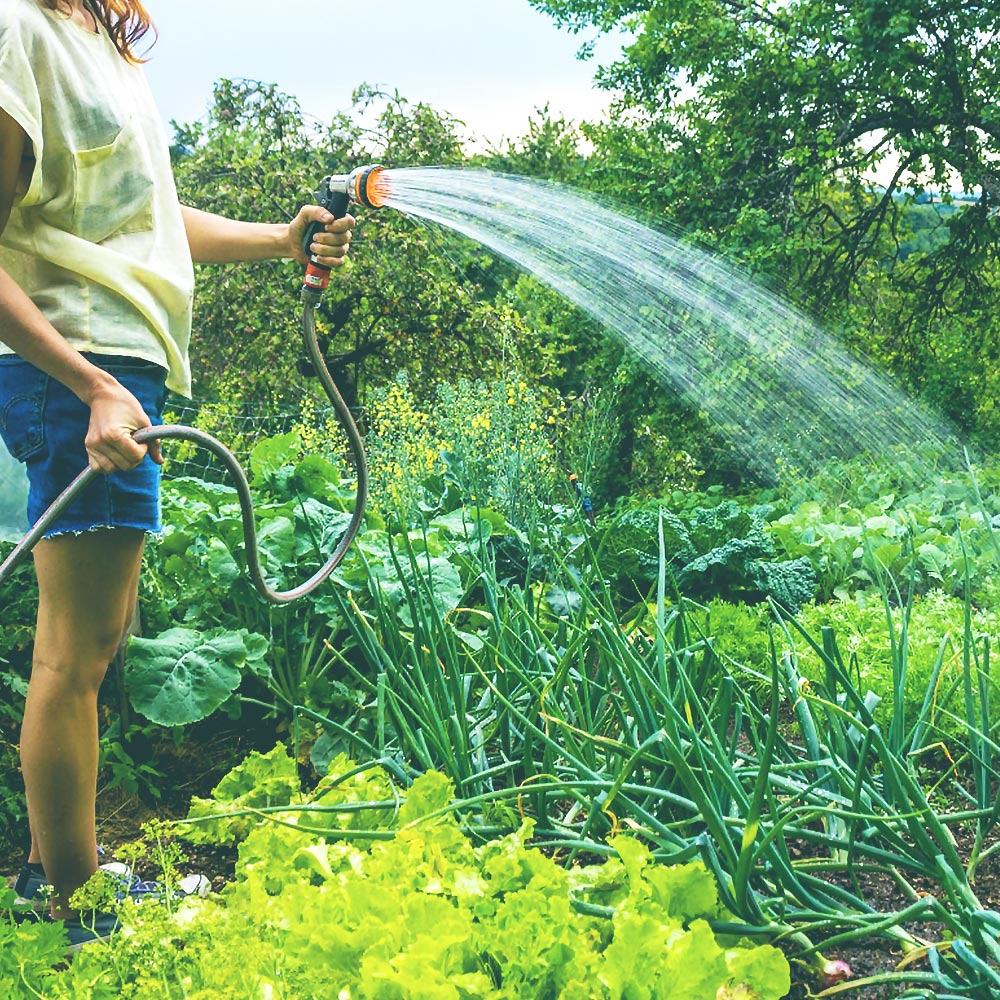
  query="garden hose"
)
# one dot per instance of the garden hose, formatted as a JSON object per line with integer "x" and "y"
{"x": 335, "y": 194}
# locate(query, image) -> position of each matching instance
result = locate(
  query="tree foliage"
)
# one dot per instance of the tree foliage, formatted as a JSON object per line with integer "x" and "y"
{"x": 764, "y": 102}
{"x": 410, "y": 297}
{"x": 797, "y": 135}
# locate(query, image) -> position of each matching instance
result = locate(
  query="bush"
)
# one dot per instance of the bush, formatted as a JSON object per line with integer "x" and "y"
{"x": 491, "y": 443}
{"x": 719, "y": 551}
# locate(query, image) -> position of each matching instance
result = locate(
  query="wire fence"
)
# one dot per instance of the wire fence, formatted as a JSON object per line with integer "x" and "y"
{"x": 13, "y": 498}
{"x": 240, "y": 427}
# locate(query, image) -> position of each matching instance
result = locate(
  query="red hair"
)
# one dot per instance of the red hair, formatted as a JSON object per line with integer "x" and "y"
{"x": 126, "y": 22}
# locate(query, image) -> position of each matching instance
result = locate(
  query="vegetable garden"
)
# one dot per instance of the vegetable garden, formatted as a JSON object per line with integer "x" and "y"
{"x": 536, "y": 760}
{"x": 663, "y": 729}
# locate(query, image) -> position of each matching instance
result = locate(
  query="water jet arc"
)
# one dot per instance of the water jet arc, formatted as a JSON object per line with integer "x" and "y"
{"x": 772, "y": 381}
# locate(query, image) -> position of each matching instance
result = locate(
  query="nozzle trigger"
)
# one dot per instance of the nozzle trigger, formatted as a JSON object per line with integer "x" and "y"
{"x": 335, "y": 202}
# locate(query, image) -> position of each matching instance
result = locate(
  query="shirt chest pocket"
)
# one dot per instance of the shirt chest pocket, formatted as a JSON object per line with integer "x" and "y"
{"x": 113, "y": 192}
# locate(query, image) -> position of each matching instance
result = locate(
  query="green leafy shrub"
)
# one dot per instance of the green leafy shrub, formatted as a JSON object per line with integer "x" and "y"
{"x": 206, "y": 628}
{"x": 856, "y": 525}
{"x": 870, "y": 641}
{"x": 197, "y": 597}
{"x": 476, "y": 443}
{"x": 718, "y": 551}
{"x": 498, "y": 446}
{"x": 19, "y": 601}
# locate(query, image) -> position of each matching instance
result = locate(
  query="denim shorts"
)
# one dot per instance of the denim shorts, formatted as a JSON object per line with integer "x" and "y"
{"x": 44, "y": 425}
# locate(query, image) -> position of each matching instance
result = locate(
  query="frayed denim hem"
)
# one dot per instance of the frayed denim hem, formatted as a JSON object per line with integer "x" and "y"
{"x": 45, "y": 425}
{"x": 151, "y": 533}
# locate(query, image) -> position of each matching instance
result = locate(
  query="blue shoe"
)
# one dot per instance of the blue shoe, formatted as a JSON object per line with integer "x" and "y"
{"x": 31, "y": 887}
{"x": 32, "y": 890}
{"x": 191, "y": 885}
{"x": 88, "y": 928}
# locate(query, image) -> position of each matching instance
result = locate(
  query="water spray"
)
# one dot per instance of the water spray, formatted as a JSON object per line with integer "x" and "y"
{"x": 777, "y": 387}
{"x": 363, "y": 186}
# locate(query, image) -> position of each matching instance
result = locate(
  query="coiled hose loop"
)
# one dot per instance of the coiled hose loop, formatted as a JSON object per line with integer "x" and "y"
{"x": 228, "y": 459}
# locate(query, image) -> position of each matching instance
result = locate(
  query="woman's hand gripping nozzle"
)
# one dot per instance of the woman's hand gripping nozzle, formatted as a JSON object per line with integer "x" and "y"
{"x": 336, "y": 193}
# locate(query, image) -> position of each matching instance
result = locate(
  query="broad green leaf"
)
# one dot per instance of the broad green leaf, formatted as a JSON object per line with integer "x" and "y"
{"x": 315, "y": 476}
{"x": 934, "y": 560}
{"x": 271, "y": 455}
{"x": 471, "y": 523}
{"x": 220, "y": 563}
{"x": 882, "y": 524}
{"x": 564, "y": 602}
{"x": 429, "y": 793}
{"x": 276, "y": 540}
{"x": 435, "y": 579}
{"x": 184, "y": 675}
{"x": 764, "y": 969}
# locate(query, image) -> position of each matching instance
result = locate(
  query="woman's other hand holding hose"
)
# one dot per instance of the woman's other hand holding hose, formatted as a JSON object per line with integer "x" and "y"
{"x": 115, "y": 414}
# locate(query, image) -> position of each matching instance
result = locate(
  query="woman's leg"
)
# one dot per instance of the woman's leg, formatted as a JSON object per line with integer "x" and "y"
{"x": 87, "y": 587}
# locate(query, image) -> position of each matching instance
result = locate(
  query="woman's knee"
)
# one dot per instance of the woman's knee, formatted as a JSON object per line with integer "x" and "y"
{"x": 77, "y": 661}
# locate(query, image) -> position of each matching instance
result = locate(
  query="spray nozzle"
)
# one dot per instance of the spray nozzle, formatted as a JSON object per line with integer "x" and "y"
{"x": 362, "y": 186}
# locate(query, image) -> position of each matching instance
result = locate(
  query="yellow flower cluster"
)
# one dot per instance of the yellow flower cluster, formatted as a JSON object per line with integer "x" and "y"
{"x": 499, "y": 445}
{"x": 306, "y": 427}
{"x": 319, "y": 431}
{"x": 403, "y": 448}
{"x": 492, "y": 441}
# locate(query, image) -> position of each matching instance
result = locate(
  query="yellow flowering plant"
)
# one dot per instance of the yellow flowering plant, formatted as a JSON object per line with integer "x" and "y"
{"x": 491, "y": 442}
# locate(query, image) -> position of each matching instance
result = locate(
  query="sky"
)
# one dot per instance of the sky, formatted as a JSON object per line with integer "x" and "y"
{"x": 488, "y": 63}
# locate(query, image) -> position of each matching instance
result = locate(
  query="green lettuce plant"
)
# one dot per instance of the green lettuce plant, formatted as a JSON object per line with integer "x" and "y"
{"x": 420, "y": 913}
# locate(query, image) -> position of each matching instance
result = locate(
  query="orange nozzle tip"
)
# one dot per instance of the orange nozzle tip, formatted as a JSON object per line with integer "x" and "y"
{"x": 377, "y": 188}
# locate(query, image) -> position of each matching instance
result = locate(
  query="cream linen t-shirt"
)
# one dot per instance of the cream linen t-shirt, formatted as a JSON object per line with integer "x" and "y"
{"x": 95, "y": 238}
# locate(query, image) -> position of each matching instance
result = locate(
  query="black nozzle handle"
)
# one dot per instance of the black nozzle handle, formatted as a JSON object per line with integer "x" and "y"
{"x": 335, "y": 202}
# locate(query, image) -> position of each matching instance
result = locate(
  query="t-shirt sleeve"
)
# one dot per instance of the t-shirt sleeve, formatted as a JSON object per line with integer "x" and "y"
{"x": 19, "y": 95}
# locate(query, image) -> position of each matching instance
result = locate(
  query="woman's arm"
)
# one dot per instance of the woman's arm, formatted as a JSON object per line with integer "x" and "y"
{"x": 14, "y": 147}
{"x": 214, "y": 239}
{"x": 115, "y": 413}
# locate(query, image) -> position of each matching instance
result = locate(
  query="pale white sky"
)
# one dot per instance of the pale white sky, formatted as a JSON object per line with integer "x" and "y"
{"x": 489, "y": 63}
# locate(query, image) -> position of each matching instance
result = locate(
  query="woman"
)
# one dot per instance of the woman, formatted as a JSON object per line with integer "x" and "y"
{"x": 95, "y": 311}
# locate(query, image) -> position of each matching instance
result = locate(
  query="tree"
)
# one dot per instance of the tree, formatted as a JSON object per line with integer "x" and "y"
{"x": 795, "y": 135}
{"x": 410, "y": 297}
{"x": 550, "y": 150}
{"x": 765, "y": 102}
